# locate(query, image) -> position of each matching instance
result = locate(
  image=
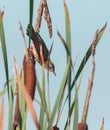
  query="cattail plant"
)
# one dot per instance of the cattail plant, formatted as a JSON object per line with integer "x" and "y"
{"x": 27, "y": 82}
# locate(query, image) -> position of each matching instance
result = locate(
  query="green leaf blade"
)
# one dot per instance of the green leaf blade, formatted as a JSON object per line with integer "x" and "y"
{"x": 68, "y": 41}
{"x": 59, "y": 96}
{"x": 4, "y": 51}
{"x": 87, "y": 56}
{"x": 11, "y": 104}
{"x": 75, "y": 124}
{"x": 30, "y": 19}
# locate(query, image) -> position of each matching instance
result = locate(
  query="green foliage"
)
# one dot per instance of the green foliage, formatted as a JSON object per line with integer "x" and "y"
{"x": 68, "y": 42}
{"x": 4, "y": 50}
{"x": 30, "y": 18}
{"x": 59, "y": 96}
{"x": 46, "y": 117}
{"x": 22, "y": 106}
{"x": 86, "y": 57}
{"x": 11, "y": 103}
{"x": 75, "y": 124}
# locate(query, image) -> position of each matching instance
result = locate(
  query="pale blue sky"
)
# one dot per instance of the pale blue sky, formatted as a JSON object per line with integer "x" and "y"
{"x": 86, "y": 16}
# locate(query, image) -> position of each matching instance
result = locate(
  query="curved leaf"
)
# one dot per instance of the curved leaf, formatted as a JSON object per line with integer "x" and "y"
{"x": 4, "y": 50}
{"x": 86, "y": 57}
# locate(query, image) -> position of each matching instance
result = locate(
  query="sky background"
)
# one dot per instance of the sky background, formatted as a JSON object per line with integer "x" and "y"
{"x": 85, "y": 18}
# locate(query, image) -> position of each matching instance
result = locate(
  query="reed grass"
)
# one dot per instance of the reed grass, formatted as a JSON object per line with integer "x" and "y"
{"x": 48, "y": 119}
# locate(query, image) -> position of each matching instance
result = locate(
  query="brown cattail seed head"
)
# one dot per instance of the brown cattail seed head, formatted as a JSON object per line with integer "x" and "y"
{"x": 55, "y": 128}
{"x": 82, "y": 126}
{"x": 29, "y": 74}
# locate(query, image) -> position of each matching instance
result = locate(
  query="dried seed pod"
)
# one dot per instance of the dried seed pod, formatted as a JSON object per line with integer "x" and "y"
{"x": 82, "y": 126}
{"x": 47, "y": 17}
{"x": 39, "y": 17}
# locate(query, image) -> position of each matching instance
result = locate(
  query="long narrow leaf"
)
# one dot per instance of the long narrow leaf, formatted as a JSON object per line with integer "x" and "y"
{"x": 22, "y": 104}
{"x": 68, "y": 127}
{"x": 30, "y": 19}
{"x": 24, "y": 121}
{"x": 38, "y": 88}
{"x": 86, "y": 57}
{"x": 73, "y": 105}
{"x": 64, "y": 43}
{"x": 41, "y": 119}
{"x": 68, "y": 41}
{"x": 43, "y": 99}
{"x": 3, "y": 92}
{"x": 11, "y": 104}
{"x": 58, "y": 99}
{"x": 43, "y": 88}
{"x": 75, "y": 124}
{"x": 4, "y": 50}
{"x": 68, "y": 28}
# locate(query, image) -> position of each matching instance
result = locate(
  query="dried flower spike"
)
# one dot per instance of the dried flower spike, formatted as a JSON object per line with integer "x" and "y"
{"x": 39, "y": 17}
{"x": 94, "y": 43}
{"x": 47, "y": 17}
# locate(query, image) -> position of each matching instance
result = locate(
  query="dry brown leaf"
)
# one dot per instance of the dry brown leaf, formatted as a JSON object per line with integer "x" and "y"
{"x": 26, "y": 96}
{"x": 1, "y": 15}
{"x": 2, "y": 113}
{"x": 22, "y": 32}
{"x": 94, "y": 43}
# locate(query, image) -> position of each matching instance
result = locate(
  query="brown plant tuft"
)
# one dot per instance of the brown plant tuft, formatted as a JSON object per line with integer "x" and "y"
{"x": 43, "y": 7}
{"x": 47, "y": 17}
{"x": 39, "y": 17}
